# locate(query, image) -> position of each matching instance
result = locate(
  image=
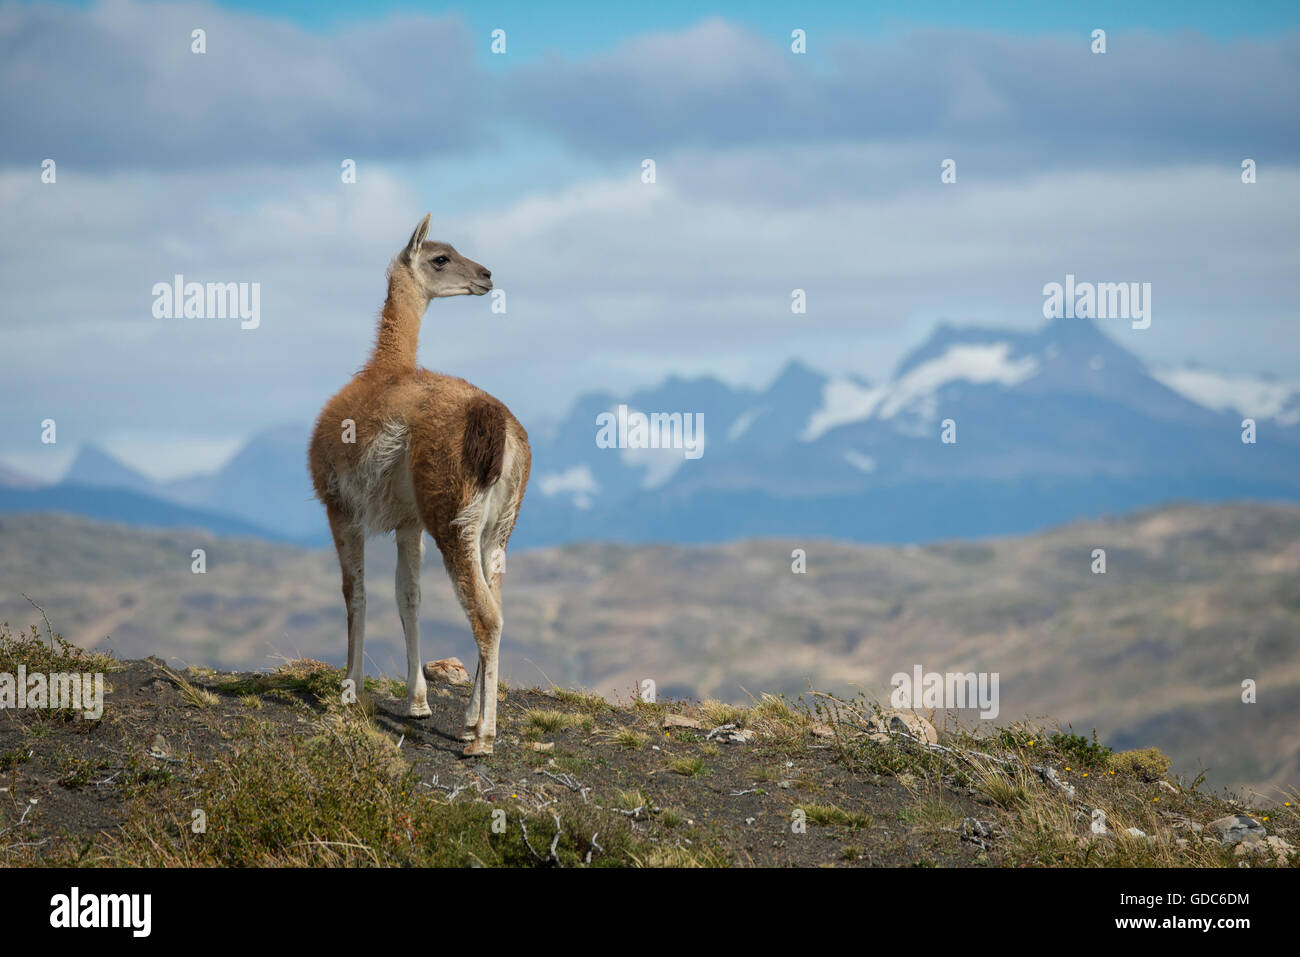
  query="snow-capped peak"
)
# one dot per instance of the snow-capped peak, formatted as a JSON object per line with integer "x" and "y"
{"x": 845, "y": 401}
{"x": 1244, "y": 394}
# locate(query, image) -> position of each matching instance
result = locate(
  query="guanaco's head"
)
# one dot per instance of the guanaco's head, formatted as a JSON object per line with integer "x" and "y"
{"x": 439, "y": 270}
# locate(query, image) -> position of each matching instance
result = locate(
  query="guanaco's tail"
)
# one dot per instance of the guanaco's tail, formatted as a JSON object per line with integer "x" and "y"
{"x": 484, "y": 450}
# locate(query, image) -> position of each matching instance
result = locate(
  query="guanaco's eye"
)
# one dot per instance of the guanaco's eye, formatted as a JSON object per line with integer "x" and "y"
{"x": 440, "y": 260}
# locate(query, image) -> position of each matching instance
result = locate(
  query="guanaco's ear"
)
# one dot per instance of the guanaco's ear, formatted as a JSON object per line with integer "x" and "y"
{"x": 417, "y": 237}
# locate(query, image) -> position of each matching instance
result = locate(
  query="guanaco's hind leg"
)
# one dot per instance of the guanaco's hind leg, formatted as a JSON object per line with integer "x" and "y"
{"x": 473, "y": 710}
{"x": 484, "y": 614}
{"x": 350, "y": 543}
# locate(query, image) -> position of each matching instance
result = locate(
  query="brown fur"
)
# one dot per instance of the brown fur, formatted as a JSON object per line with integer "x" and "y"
{"x": 457, "y": 440}
{"x": 427, "y": 447}
{"x": 484, "y": 450}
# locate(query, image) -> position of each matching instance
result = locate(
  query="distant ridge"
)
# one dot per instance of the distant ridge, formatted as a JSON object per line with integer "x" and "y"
{"x": 95, "y": 467}
{"x": 126, "y": 507}
{"x": 9, "y": 478}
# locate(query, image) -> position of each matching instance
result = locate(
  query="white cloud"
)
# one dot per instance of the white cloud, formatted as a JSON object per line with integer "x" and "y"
{"x": 576, "y": 481}
{"x": 1004, "y": 100}
{"x": 116, "y": 85}
{"x": 863, "y": 463}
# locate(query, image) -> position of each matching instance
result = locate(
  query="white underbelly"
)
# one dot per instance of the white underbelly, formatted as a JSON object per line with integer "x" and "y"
{"x": 378, "y": 491}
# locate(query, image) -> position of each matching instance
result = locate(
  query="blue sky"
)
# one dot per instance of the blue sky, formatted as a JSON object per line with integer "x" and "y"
{"x": 775, "y": 171}
{"x": 582, "y": 28}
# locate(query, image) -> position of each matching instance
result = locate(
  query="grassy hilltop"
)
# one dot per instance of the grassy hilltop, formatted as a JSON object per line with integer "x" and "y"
{"x": 279, "y": 772}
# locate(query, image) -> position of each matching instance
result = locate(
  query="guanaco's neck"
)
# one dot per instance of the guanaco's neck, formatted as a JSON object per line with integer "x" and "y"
{"x": 398, "y": 338}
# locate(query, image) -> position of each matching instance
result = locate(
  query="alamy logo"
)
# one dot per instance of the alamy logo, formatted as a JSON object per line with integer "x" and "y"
{"x": 656, "y": 430}
{"x": 56, "y": 691}
{"x": 179, "y": 299}
{"x": 929, "y": 689}
{"x": 1103, "y": 300}
{"x": 133, "y": 911}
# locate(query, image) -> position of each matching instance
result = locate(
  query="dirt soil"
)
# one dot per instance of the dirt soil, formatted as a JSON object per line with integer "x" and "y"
{"x": 65, "y": 783}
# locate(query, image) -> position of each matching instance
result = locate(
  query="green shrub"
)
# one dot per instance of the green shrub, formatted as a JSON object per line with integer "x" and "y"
{"x": 1145, "y": 764}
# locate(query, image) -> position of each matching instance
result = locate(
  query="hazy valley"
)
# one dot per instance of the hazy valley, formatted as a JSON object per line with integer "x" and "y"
{"x": 1194, "y": 600}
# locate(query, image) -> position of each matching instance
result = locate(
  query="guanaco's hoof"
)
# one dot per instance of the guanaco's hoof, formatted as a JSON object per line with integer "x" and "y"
{"x": 419, "y": 710}
{"x": 468, "y": 734}
{"x": 476, "y": 748}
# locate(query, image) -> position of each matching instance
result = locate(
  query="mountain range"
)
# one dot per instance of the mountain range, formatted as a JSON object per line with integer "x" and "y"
{"x": 977, "y": 432}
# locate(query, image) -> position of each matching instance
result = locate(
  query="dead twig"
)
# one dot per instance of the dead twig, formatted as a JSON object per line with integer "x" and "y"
{"x": 569, "y": 781}
{"x": 27, "y": 844}
{"x": 559, "y": 829}
{"x": 49, "y": 629}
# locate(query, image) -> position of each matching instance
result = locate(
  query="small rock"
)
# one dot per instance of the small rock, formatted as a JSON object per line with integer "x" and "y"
{"x": 784, "y": 784}
{"x": 159, "y": 746}
{"x": 749, "y": 821}
{"x": 903, "y": 722}
{"x": 1182, "y": 842}
{"x": 1168, "y": 787}
{"x": 1138, "y": 832}
{"x": 680, "y": 721}
{"x": 915, "y": 725}
{"x": 1250, "y": 847}
{"x": 822, "y": 731}
{"x": 730, "y": 733}
{"x": 1049, "y": 775}
{"x": 543, "y": 745}
{"x": 1235, "y": 828}
{"x": 1281, "y": 848}
{"x": 447, "y": 670}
